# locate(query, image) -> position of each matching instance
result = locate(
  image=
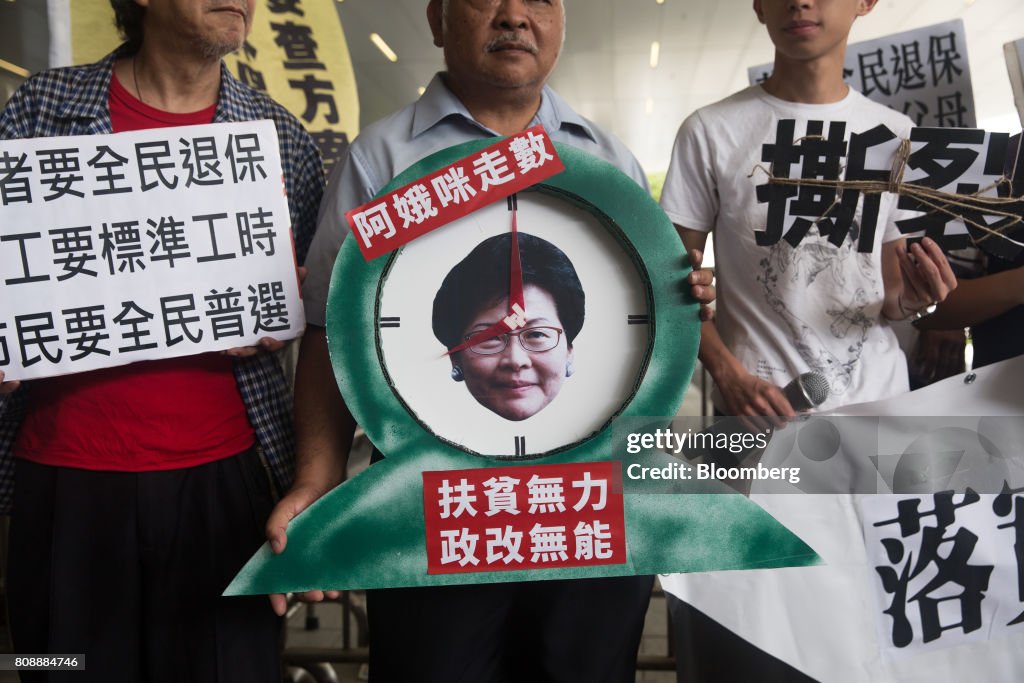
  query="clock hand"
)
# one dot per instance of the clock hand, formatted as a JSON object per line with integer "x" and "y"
{"x": 516, "y": 300}
{"x": 515, "y": 287}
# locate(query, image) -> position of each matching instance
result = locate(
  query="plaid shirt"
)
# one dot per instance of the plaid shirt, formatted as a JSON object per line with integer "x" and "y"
{"x": 74, "y": 101}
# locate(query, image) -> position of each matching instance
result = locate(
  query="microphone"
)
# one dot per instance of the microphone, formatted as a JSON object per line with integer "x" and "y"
{"x": 807, "y": 391}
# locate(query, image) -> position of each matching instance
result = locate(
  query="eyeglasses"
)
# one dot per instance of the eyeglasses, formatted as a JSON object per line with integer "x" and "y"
{"x": 533, "y": 339}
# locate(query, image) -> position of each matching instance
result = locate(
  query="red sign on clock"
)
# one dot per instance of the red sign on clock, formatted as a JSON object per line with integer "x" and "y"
{"x": 493, "y": 173}
{"x": 524, "y": 517}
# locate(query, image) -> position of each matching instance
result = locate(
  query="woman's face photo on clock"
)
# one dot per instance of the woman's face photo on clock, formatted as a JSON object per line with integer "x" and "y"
{"x": 518, "y": 374}
{"x": 551, "y": 382}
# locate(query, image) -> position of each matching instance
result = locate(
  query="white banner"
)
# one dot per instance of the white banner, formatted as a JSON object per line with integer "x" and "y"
{"x": 142, "y": 245}
{"x": 922, "y": 73}
{"x": 886, "y": 611}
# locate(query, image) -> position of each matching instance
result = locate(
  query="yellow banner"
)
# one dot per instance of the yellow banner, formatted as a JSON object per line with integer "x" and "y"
{"x": 296, "y": 53}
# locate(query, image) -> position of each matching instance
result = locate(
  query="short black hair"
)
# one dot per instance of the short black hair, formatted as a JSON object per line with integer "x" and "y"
{"x": 482, "y": 278}
{"x": 129, "y": 15}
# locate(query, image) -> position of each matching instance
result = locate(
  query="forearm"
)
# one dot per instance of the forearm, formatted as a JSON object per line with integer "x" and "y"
{"x": 977, "y": 300}
{"x": 323, "y": 424}
{"x": 892, "y": 307}
{"x": 713, "y": 354}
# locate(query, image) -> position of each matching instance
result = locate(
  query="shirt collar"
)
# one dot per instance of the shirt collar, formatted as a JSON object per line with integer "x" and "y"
{"x": 438, "y": 103}
{"x": 234, "y": 101}
{"x": 91, "y": 99}
{"x": 91, "y": 96}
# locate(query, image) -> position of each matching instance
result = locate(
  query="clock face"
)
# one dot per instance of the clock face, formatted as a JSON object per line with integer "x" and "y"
{"x": 529, "y": 394}
{"x": 534, "y": 392}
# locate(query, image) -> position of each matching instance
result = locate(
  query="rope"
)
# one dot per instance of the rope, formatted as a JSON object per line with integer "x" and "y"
{"x": 936, "y": 200}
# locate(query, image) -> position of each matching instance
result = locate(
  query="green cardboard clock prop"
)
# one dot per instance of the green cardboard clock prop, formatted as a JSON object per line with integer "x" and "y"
{"x": 612, "y": 334}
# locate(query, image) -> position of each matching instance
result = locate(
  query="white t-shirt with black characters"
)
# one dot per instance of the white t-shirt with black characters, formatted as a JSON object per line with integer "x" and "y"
{"x": 793, "y": 296}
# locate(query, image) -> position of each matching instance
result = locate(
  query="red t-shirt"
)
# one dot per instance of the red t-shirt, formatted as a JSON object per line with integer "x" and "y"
{"x": 152, "y": 415}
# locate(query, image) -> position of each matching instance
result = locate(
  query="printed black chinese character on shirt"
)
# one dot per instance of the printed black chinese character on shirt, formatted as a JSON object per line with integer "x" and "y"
{"x": 820, "y": 157}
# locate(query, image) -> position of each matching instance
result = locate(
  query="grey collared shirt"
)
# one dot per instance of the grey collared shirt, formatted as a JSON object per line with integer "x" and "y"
{"x": 434, "y": 122}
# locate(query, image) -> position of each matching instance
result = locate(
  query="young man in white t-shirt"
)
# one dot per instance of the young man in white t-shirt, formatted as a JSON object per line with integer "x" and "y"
{"x": 796, "y": 297}
{"x": 795, "y": 294}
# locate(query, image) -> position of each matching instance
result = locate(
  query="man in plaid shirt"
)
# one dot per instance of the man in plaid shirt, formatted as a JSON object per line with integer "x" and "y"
{"x": 141, "y": 490}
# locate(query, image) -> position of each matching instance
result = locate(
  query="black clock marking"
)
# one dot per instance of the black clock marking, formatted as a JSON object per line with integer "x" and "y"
{"x": 520, "y": 446}
{"x": 638, "y": 319}
{"x": 513, "y": 202}
{"x": 394, "y": 321}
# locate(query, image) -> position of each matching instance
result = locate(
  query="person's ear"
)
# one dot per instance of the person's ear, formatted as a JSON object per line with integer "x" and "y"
{"x": 759, "y": 11}
{"x": 457, "y": 374}
{"x": 435, "y": 17}
{"x": 865, "y": 6}
{"x": 569, "y": 367}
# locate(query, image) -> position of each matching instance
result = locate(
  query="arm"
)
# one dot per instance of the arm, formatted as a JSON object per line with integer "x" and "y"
{"x": 744, "y": 394}
{"x": 323, "y": 429}
{"x": 914, "y": 278}
{"x": 15, "y": 118}
{"x": 937, "y": 354}
{"x": 978, "y": 299}
{"x": 304, "y": 187}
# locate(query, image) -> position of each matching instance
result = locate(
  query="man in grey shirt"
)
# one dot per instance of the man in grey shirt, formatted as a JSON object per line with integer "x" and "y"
{"x": 499, "y": 55}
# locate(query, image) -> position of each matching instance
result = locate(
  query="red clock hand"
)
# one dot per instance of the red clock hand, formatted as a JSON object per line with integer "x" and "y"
{"x": 516, "y": 301}
{"x": 515, "y": 287}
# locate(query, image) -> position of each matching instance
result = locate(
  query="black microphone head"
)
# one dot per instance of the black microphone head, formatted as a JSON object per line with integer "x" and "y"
{"x": 815, "y": 387}
{"x": 807, "y": 391}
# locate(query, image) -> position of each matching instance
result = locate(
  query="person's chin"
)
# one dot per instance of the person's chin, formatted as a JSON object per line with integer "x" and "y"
{"x": 517, "y": 410}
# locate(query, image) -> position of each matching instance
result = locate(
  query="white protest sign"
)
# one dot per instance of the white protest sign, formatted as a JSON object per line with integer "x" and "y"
{"x": 142, "y": 245}
{"x": 835, "y": 621}
{"x": 922, "y": 73}
{"x": 948, "y": 569}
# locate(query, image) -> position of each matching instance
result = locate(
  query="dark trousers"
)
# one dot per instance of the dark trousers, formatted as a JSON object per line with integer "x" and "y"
{"x": 585, "y": 631}
{"x": 128, "y": 568}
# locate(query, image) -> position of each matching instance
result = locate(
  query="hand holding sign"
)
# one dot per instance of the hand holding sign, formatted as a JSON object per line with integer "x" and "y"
{"x": 926, "y": 276}
{"x": 265, "y": 344}
{"x": 7, "y": 387}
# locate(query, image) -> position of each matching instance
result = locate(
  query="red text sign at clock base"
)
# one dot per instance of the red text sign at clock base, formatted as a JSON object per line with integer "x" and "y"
{"x": 524, "y": 517}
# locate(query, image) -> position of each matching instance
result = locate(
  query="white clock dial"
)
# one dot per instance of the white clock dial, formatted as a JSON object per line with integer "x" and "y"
{"x": 524, "y": 413}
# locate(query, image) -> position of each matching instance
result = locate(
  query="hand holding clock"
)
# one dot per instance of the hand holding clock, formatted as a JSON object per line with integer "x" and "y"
{"x": 701, "y": 285}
